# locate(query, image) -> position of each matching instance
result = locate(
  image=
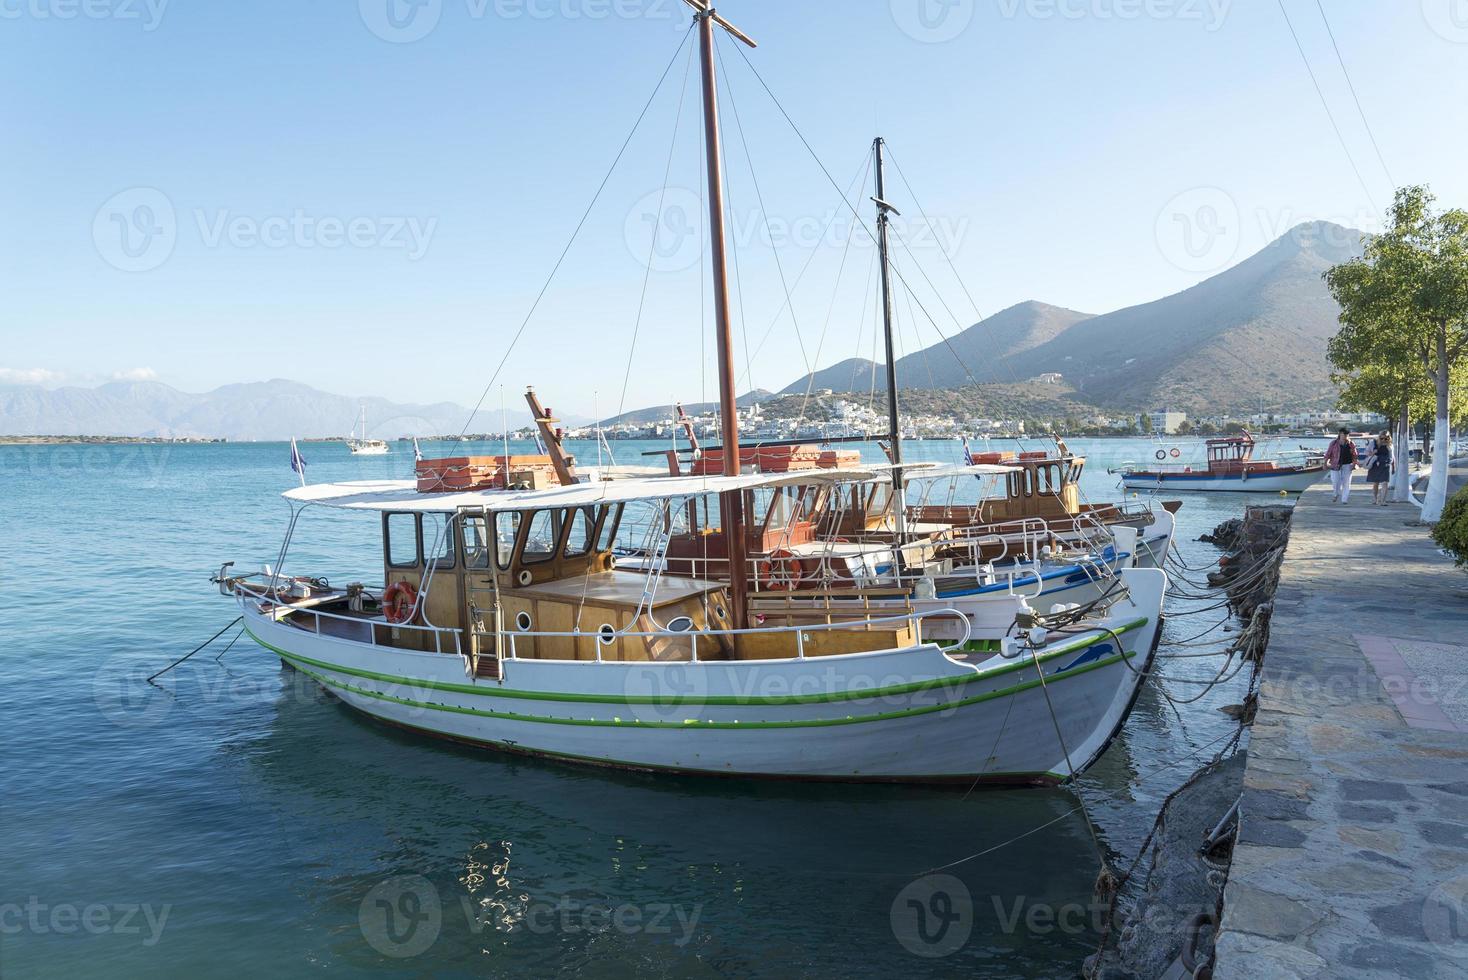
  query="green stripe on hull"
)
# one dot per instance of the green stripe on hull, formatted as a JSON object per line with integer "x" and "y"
{"x": 693, "y": 725}
{"x": 736, "y": 700}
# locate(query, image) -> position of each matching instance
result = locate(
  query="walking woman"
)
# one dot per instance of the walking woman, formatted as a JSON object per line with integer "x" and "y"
{"x": 1341, "y": 459}
{"x": 1379, "y": 469}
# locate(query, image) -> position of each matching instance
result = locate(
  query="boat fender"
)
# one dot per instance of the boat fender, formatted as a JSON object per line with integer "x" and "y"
{"x": 926, "y": 588}
{"x": 399, "y": 602}
{"x": 1038, "y": 636}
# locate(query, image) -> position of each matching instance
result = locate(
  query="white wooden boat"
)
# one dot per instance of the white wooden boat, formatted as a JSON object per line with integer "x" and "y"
{"x": 538, "y": 646}
{"x": 503, "y": 622}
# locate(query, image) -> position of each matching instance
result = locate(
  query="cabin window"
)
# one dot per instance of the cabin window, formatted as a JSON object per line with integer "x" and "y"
{"x": 476, "y": 543}
{"x": 579, "y": 537}
{"x": 506, "y": 526}
{"x": 607, "y": 534}
{"x": 401, "y": 531}
{"x": 438, "y": 531}
{"x": 541, "y": 537}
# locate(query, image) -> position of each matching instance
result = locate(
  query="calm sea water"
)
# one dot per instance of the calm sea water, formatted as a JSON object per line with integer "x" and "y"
{"x": 239, "y": 819}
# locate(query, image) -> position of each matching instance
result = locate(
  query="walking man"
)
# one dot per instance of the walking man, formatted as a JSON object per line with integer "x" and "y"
{"x": 1341, "y": 459}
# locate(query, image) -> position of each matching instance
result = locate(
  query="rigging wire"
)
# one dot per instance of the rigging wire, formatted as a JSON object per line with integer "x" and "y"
{"x": 927, "y": 222}
{"x": 810, "y": 381}
{"x": 656, "y": 228}
{"x": 765, "y": 216}
{"x": 576, "y": 232}
{"x": 1320, "y": 92}
{"x": 811, "y": 258}
{"x": 1352, "y": 86}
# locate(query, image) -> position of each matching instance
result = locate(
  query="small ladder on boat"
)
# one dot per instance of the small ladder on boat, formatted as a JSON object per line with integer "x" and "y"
{"x": 484, "y": 659}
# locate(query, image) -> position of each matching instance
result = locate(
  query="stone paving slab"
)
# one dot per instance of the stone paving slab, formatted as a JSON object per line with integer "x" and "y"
{"x": 1352, "y": 858}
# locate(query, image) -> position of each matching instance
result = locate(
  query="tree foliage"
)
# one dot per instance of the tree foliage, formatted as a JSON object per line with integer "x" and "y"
{"x": 1451, "y": 533}
{"x": 1404, "y": 318}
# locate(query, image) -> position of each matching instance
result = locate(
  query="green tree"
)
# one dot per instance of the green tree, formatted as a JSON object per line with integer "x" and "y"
{"x": 1451, "y": 533}
{"x": 1144, "y": 422}
{"x": 1404, "y": 308}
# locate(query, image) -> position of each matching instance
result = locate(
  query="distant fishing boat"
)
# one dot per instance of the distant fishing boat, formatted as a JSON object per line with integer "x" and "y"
{"x": 365, "y": 446}
{"x": 1231, "y": 467}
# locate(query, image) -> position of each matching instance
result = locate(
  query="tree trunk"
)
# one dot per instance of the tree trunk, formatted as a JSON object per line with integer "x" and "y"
{"x": 1437, "y": 482}
{"x": 1402, "y": 458}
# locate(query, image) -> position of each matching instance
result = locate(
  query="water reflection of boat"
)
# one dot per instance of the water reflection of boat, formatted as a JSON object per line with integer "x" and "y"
{"x": 767, "y": 867}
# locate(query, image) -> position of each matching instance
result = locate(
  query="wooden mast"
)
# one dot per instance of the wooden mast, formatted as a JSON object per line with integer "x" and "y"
{"x": 884, "y": 212}
{"x": 731, "y": 504}
{"x": 550, "y": 434}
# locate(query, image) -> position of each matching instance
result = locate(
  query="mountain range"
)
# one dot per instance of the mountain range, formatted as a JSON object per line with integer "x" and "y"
{"x": 263, "y": 410}
{"x": 1254, "y": 334}
{"x": 1250, "y": 337}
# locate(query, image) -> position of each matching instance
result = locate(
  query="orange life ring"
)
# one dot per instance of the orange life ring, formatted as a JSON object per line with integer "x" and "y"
{"x": 1175, "y": 453}
{"x": 781, "y": 571}
{"x": 399, "y": 602}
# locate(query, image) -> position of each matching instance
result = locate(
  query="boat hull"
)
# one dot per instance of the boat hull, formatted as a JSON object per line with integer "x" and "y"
{"x": 905, "y": 715}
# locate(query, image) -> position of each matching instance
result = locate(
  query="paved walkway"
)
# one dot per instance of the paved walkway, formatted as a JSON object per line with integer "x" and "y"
{"x": 1353, "y": 849}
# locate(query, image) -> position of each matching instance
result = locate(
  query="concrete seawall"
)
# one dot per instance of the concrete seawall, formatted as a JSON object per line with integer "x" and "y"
{"x": 1352, "y": 859}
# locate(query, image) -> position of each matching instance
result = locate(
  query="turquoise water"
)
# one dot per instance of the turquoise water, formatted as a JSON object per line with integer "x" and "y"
{"x": 239, "y": 819}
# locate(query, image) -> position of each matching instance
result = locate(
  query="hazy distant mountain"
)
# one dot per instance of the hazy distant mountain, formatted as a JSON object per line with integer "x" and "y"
{"x": 262, "y": 410}
{"x": 981, "y": 349}
{"x": 662, "y": 413}
{"x": 1252, "y": 335}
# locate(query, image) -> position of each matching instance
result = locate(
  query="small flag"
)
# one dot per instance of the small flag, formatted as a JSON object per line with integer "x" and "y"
{"x": 298, "y": 462}
{"x": 968, "y": 456}
{"x": 417, "y": 453}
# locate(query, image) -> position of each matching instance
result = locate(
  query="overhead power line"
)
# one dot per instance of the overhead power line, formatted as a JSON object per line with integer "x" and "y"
{"x": 1330, "y": 115}
{"x": 1352, "y": 85}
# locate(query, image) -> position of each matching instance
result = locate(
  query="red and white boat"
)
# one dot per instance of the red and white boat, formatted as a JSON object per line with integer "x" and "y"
{"x": 1231, "y": 467}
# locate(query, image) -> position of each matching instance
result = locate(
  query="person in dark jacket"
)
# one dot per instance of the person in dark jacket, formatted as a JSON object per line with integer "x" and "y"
{"x": 1341, "y": 459}
{"x": 1379, "y": 469}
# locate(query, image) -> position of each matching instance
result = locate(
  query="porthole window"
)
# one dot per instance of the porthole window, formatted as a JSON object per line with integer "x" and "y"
{"x": 522, "y": 621}
{"x": 606, "y": 633}
{"x": 719, "y": 610}
{"x": 681, "y": 624}
{"x": 525, "y": 577}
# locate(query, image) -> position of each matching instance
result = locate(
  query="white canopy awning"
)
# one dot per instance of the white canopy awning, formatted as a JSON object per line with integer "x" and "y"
{"x": 403, "y": 495}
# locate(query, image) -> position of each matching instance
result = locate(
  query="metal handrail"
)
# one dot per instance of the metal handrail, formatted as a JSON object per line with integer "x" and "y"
{"x": 693, "y": 635}
{"x": 246, "y": 597}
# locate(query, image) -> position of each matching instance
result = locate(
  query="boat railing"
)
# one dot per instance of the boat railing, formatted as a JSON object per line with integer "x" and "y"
{"x": 507, "y": 638}
{"x": 278, "y": 606}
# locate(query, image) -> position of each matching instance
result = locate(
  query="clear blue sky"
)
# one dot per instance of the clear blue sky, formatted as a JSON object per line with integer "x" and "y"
{"x": 1063, "y": 147}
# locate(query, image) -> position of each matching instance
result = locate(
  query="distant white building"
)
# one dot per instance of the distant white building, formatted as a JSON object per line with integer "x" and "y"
{"x": 1165, "y": 422}
{"x": 1050, "y": 378}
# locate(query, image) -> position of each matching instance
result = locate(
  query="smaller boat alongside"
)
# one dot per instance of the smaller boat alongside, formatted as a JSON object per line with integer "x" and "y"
{"x": 1231, "y": 467}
